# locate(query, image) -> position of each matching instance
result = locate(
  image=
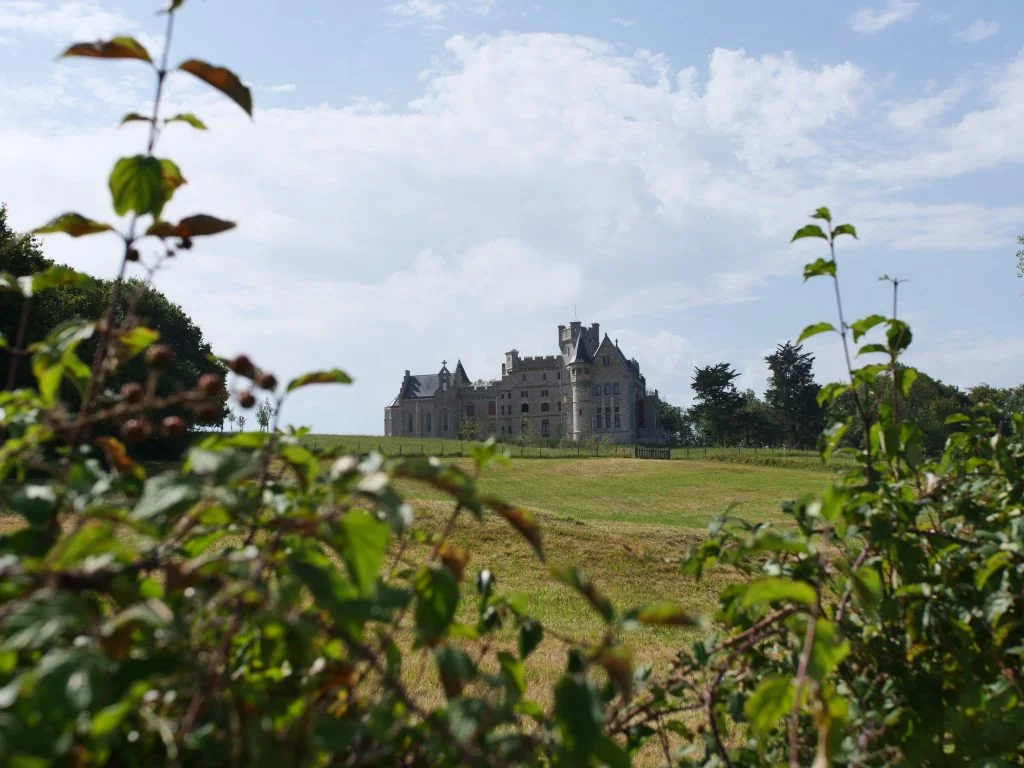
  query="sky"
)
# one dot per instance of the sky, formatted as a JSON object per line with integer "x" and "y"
{"x": 435, "y": 180}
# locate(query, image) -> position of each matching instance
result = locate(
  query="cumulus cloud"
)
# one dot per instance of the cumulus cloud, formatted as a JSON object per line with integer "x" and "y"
{"x": 69, "y": 20}
{"x": 533, "y": 172}
{"x": 420, "y": 10}
{"x": 920, "y": 113}
{"x": 977, "y": 31}
{"x": 870, "y": 21}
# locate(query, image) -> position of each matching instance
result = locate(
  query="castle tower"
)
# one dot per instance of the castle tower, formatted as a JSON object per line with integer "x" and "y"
{"x": 578, "y": 364}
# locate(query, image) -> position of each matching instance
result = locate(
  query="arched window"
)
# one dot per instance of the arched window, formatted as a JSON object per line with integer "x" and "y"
{"x": 525, "y": 408}
{"x": 597, "y": 389}
{"x": 545, "y": 429}
{"x": 607, "y": 389}
{"x": 429, "y": 423}
{"x": 444, "y": 422}
{"x": 410, "y": 424}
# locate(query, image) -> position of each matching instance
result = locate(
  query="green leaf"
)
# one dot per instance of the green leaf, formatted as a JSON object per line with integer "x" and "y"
{"x": 55, "y": 356}
{"x": 224, "y": 80}
{"x": 136, "y": 340}
{"x": 36, "y": 503}
{"x": 191, "y": 226}
{"x": 578, "y": 713}
{"x": 905, "y": 378}
{"x": 775, "y": 589}
{"x": 117, "y": 48}
{"x": 577, "y": 580}
{"x": 513, "y": 672}
{"x": 363, "y": 543}
{"x": 828, "y": 393}
{"x": 865, "y": 324}
{"x": 189, "y": 118}
{"x": 455, "y": 669}
{"x": 844, "y": 229}
{"x": 811, "y": 230}
{"x": 867, "y": 589}
{"x": 137, "y": 186}
{"x": 820, "y": 267}
{"x": 135, "y": 117}
{"x": 437, "y": 597}
{"x": 869, "y": 349}
{"x": 333, "y": 376}
{"x": 814, "y": 330}
{"x": 302, "y": 461}
{"x": 992, "y": 564}
{"x": 771, "y": 701}
{"x": 108, "y": 718}
{"x": 822, "y": 213}
{"x": 618, "y": 663}
{"x": 898, "y": 335}
{"x": 828, "y": 651}
{"x": 74, "y": 224}
{"x": 530, "y": 635}
{"x": 666, "y": 614}
{"x": 520, "y": 518}
{"x": 830, "y": 437}
{"x": 166, "y": 495}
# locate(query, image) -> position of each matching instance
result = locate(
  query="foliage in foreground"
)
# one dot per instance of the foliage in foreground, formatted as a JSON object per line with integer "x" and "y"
{"x": 267, "y": 604}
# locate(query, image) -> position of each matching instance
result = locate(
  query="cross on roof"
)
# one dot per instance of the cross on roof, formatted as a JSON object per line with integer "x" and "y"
{"x": 444, "y": 363}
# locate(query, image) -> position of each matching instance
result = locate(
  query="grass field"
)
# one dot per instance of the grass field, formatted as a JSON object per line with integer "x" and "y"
{"x": 405, "y": 446}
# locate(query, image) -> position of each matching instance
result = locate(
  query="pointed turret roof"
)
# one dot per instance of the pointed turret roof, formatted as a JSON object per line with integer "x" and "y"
{"x": 461, "y": 377}
{"x": 579, "y": 353}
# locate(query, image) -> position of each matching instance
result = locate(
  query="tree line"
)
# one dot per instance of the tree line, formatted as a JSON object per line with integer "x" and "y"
{"x": 791, "y": 415}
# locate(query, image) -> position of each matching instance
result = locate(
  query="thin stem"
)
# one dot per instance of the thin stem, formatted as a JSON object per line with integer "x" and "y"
{"x": 19, "y": 341}
{"x": 801, "y": 677}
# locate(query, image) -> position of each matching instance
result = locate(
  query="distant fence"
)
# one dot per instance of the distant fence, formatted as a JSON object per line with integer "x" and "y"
{"x": 646, "y": 452}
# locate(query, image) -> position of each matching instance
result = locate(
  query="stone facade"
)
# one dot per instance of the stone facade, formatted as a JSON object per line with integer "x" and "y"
{"x": 589, "y": 389}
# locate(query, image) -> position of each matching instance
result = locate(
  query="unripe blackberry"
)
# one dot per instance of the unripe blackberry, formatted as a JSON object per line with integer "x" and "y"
{"x": 173, "y": 426}
{"x": 243, "y": 366}
{"x": 159, "y": 357}
{"x": 132, "y": 255}
{"x": 266, "y": 381}
{"x": 136, "y": 430}
{"x": 207, "y": 412}
{"x": 132, "y": 392}
{"x": 211, "y": 384}
{"x": 246, "y": 399}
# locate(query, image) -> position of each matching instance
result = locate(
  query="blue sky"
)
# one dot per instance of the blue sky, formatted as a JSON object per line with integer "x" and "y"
{"x": 432, "y": 179}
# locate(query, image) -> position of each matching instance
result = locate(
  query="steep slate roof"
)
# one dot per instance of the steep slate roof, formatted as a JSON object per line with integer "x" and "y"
{"x": 580, "y": 353}
{"x": 460, "y": 374}
{"x": 422, "y": 385}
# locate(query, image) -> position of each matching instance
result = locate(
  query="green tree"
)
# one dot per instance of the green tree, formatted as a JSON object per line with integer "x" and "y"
{"x": 792, "y": 395}
{"x": 264, "y": 413}
{"x": 671, "y": 418}
{"x": 717, "y": 401}
{"x": 469, "y": 429}
{"x": 755, "y": 421}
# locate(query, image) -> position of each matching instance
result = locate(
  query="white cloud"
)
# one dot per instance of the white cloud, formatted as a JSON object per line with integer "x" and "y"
{"x": 624, "y": 22}
{"x": 977, "y": 31}
{"x": 283, "y": 88}
{"x": 483, "y": 7}
{"x": 533, "y": 173}
{"x": 920, "y": 113}
{"x": 420, "y": 10}
{"x": 69, "y": 20}
{"x": 870, "y": 21}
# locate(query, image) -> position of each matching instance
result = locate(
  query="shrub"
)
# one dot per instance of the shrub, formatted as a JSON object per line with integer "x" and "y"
{"x": 259, "y": 602}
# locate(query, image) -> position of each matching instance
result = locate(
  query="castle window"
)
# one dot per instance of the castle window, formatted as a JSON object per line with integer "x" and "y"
{"x": 444, "y": 421}
{"x": 544, "y": 376}
{"x": 545, "y": 429}
{"x": 410, "y": 424}
{"x": 581, "y": 411}
{"x": 616, "y": 388}
{"x": 524, "y": 377}
{"x": 525, "y": 408}
{"x": 607, "y": 389}
{"x": 597, "y": 420}
{"x": 597, "y": 389}
{"x": 559, "y": 406}
{"x": 558, "y": 375}
{"x": 545, "y": 407}
{"x": 470, "y": 410}
{"x": 544, "y": 393}
{"x": 607, "y": 360}
{"x": 524, "y": 393}
{"x": 608, "y": 417}
{"x": 429, "y": 424}
{"x": 617, "y": 422}
{"x": 503, "y": 429}
{"x": 491, "y": 408}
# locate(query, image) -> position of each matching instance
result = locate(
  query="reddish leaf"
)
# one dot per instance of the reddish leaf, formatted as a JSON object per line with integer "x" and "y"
{"x": 519, "y": 518}
{"x": 118, "y": 48}
{"x": 224, "y": 80}
{"x": 190, "y": 226}
{"x": 74, "y": 224}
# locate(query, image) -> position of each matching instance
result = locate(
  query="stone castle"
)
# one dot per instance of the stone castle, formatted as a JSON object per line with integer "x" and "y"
{"x": 590, "y": 389}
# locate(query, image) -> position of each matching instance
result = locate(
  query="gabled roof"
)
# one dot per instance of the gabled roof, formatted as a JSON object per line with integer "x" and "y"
{"x": 579, "y": 353}
{"x": 460, "y": 374}
{"x": 422, "y": 385}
